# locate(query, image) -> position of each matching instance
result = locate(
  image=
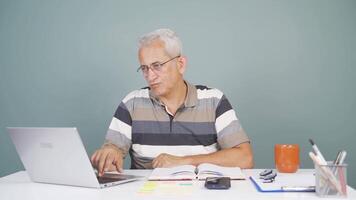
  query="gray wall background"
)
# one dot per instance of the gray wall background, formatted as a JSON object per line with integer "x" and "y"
{"x": 288, "y": 67}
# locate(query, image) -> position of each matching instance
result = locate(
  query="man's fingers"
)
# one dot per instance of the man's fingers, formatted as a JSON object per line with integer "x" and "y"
{"x": 165, "y": 160}
{"x": 97, "y": 158}
{"x": 113, "y": 163}
{"x": 118, "y": 165}
{"x": 118, "y": 161}
{"x": 157, "y": 162}
{"x": 92, "y": 158}
{"x": 107, "y": 159}
{"x": 108, "y": 162}
{"x": 101, "y": 165}
{"x": 154, "y": 162}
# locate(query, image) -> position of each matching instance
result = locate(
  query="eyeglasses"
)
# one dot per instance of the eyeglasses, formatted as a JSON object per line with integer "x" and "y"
{"x": 156, "y": 66}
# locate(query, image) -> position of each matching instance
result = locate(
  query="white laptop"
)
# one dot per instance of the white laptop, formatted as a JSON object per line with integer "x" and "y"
{"x": 58, "y": 156}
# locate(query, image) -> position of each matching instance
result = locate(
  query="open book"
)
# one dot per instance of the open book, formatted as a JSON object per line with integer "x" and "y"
{"x": 190, "y": 172}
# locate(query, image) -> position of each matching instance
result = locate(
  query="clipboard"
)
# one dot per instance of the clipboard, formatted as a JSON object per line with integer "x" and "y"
{"x": 285, "y": 182}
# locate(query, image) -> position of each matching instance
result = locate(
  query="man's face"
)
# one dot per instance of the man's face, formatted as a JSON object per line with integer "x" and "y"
{"x": 163, "y": 81}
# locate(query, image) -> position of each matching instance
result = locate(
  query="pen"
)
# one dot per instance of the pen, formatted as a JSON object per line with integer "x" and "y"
{"x": 341, "y": 172}
{"x": 317, "y": 152}
{"x": 342, "y": 158}
{"x": 298, "y": 188}
{"x": 337, "y": 159}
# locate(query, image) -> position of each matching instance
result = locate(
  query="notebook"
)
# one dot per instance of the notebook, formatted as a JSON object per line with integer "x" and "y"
{"x": 58, "y": 156}
{"x": 201, "y": 172}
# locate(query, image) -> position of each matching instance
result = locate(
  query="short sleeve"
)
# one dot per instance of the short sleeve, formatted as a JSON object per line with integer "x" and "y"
{"x": 229, "y": 130}
{"x": 119, "y": 132}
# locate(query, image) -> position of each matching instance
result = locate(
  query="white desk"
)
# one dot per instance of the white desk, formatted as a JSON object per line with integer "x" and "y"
{"x": 19, "y": 186}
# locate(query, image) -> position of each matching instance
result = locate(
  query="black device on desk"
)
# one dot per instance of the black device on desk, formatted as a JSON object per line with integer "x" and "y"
{"x": 218, "y": 183}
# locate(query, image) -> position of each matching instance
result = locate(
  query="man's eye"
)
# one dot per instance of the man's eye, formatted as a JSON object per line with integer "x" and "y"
{"x": 144, "y": 68}
{"x": 156, "y": 65}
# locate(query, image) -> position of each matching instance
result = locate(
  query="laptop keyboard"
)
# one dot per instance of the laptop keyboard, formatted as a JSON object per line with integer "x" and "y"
{"x": 109, "y": 178}
{"x": 103, "y": 180}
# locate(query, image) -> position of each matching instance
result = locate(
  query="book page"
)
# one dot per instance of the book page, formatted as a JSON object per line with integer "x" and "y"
{"x": 183, "y": 172}
{"x": 211, "y": 170}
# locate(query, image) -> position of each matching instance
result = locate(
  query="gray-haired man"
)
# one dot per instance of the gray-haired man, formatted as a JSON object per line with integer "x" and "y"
{"x": 172, "y": 122}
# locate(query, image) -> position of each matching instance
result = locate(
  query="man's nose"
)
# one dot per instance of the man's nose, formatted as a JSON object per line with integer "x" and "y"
{"x": 151, "y": 75}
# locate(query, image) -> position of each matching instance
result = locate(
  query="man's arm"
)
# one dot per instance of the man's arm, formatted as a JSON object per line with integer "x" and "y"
{"x": 117, "y": 142}
{"x": 238, "y": 156}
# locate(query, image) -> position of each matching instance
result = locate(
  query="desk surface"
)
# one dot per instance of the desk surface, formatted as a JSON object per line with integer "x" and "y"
{"x": 19, "y": 186}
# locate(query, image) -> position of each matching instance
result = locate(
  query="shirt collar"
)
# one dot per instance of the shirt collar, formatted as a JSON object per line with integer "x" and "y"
{"x": 190, "y": 100}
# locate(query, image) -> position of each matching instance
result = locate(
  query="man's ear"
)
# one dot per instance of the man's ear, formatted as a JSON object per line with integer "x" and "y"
{"x": 182, "y": 64}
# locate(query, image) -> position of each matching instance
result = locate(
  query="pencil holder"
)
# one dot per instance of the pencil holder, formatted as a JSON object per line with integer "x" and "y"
{"x": 330, "y": 180}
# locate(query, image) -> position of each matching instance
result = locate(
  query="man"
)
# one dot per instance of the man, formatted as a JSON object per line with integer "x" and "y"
{"x": 172, "y": 122}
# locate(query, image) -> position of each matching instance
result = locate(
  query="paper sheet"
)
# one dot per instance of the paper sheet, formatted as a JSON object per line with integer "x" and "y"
{"x": 287, "y": 179}
{"x": 167, "y": 188}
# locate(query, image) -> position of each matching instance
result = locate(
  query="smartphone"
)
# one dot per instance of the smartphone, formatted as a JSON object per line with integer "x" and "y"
{"x": 218, "y": 183}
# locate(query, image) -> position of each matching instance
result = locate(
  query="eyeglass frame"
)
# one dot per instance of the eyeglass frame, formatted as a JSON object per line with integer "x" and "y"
{"x": 152, "y": 68}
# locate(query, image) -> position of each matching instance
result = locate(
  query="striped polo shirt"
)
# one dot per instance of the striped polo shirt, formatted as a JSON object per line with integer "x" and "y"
{"x": 205, "y": 123}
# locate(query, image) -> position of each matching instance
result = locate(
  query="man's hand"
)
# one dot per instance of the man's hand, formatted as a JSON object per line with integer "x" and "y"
{"x": 107, "y": 158}
{"x": 167, "y": 160}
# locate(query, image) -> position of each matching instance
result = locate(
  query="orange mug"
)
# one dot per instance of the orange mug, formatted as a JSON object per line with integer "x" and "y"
{"x": 286, "y": 157}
